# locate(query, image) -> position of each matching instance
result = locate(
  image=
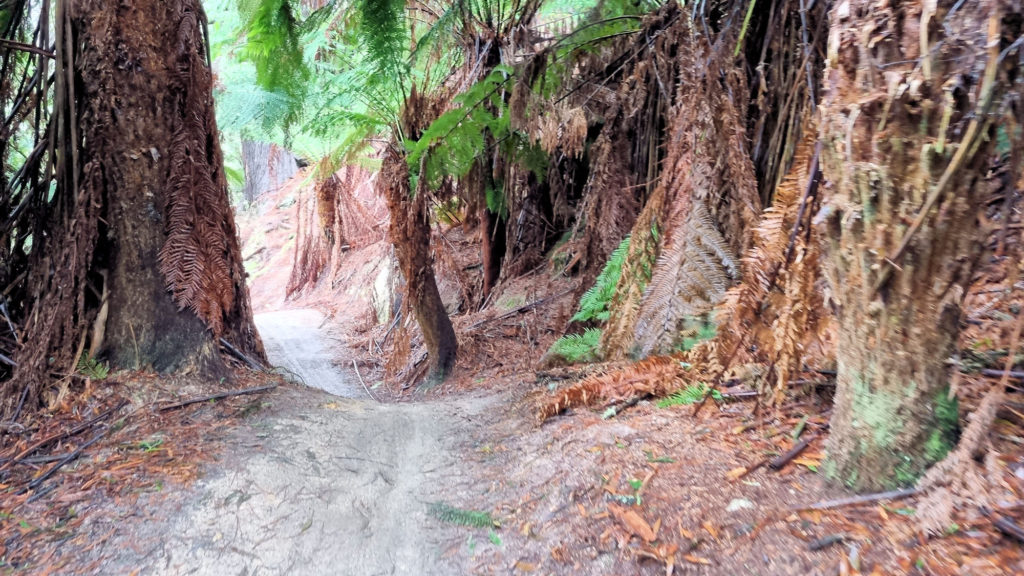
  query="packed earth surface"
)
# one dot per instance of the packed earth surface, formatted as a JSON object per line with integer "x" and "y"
{"x": 316, "y": 483}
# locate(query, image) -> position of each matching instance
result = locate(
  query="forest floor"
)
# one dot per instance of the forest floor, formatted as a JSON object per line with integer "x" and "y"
{"x": 314, "y": 483}
{"x": 470, "y": 483}
{"x": 373, "y": 476}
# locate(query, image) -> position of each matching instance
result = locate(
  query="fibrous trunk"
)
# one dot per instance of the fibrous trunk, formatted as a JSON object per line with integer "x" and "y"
{"x": 410, "y": 234}
{"x": 153, "y": 150}
{"x": 905, "y": 148}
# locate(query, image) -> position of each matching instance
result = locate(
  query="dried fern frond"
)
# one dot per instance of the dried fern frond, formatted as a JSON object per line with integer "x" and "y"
{"x": 655, "y": 376}
{"x": 779, "y": 307}
{"x": 691, "y": 277}
{"x": 636, "y": 273}
{"x": 194, "y": 259}
{"x": 706, "y": 204}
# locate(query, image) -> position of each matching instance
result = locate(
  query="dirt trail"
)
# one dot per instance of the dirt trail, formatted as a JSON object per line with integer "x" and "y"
{"x": 295, "y": 340}
{"x": 317, "y": 484}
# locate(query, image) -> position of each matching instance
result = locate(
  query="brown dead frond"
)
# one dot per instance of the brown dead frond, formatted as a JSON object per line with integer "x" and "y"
{"x": 655, "y": 376}
{"x": 636, "y": 274}
{"x": 704, "y": 209}
{"x": 193, "y": 260}
{"x": 779, "y": 307}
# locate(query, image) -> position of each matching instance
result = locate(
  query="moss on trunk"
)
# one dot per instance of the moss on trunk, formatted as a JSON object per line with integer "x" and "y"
{"x": 899, "y": 224}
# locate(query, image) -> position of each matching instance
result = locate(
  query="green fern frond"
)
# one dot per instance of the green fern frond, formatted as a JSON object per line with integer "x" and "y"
{"x": 452, "y": 515}
{"x": 594, "y": 303}
{"x": 274, "y": 45}
{"x": 577, "y": 348}
{"x": 91, "y": 368}
{"x": 689, "y": 395}
{"x": 454, "y": 141}
{"x": 382, "y": 30}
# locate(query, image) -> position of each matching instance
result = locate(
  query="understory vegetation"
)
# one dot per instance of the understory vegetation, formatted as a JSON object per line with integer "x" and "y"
{"x": 742, "y": 192}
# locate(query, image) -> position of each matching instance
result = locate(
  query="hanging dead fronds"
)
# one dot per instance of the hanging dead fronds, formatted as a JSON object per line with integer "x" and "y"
{"x": 193, "y": 260}
{"x": 330, "y": 221}
{"x": 312, "y": 253}
{"x": 778, "y": 309}
{"x": 704, "y": 208}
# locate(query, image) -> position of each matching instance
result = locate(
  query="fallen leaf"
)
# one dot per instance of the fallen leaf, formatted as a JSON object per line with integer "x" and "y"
{"x": 525, "y": 566}
{"x": 809, "y": 462}
{"x": 685, "y": 533}
{"x": 696, "y": 559}
{"x": 633, "y": 522}
{"x": 711, "y": 530}
{"x": 735, "y": 473}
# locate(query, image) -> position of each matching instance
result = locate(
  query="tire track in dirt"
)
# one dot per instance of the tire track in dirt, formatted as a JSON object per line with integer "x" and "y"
{"x": 315, "y": 484}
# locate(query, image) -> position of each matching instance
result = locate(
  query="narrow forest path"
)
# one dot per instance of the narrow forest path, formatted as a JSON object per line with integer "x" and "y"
{"x": 295, "y": 340}
{"x": 316, "y": 483}
{"x": 320, "y": 484}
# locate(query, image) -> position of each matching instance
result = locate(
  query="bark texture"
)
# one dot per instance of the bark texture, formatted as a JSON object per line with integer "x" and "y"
{"x": 907, "y": 130}
{"x": 267, "y": 167}
{"x": 410, "y": 234}
{"x": 147, "y": 117}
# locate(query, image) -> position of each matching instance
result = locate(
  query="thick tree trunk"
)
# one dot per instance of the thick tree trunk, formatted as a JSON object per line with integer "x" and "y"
{"x": 267, "y": 167}
{"x": 410, "y": 234}
{"x": 905, "y": 151}
{"x": 151, "y": 147}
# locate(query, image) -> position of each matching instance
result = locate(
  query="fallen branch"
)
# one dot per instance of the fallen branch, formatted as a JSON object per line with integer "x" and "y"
{"x": 65, "y": 460}
{"x": 61, "y": 436}
{"x": 753, "y": 468}
{"x": 793, "y": 452}
{"x": 865, "y": 499}
{"x": 1009, "y": 528}
{"x": 238, "y": 354}
{"x": 219, "y": 396}
{"x": 1010, "y": 374}
{"x": 521, "y": 309}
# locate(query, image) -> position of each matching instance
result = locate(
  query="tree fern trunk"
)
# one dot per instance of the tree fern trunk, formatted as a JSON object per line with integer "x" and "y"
{"x": 410, "y": 234}
{"x": 151, "y": 148}
{"x": 894, "y": 135}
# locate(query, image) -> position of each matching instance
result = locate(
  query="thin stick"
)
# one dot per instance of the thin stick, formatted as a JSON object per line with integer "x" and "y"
{"x": 866, "y": 498}
{"x": 14, "y": 331}
{"x": 753, "y": 468}
{"x": 12, "y": 45}
{"x": 61, "y": 435}
{"x": 65, "y": 460}
{"x": 1009, "y": 528}
{"x": 218, "y": 397}
{"x": 793, "y": 452}
{"x": 238, "y": 354}
{"x": 356, "y": 367}
{"x": 519, "y": 310}
{"x": 1009, "y": 374}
